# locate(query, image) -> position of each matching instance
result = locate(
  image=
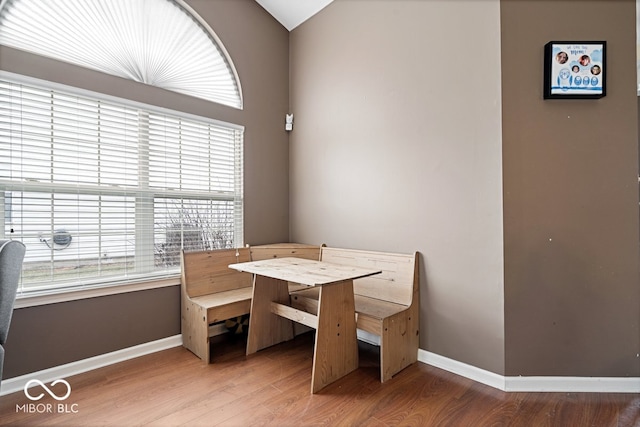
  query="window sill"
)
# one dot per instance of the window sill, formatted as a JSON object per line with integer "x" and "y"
{"x": 24, "y": 301}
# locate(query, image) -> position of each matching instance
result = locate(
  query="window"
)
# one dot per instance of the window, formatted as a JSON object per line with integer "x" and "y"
{"x": 106, "y": 190}
{"x": 162, "y": 43}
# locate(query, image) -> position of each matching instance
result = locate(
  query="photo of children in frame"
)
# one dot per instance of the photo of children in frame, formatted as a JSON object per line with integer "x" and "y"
{"x": 574, "y": 70}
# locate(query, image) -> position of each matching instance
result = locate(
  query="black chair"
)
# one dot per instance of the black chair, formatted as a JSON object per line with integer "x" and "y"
{"x": 11, "y": 257}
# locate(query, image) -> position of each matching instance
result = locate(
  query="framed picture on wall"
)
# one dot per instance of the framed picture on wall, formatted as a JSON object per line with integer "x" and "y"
{"x": 575, "y": 69}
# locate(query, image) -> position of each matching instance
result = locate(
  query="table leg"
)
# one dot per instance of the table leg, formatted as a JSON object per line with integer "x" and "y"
{"x": 265, "y": 328}
{"x": 336, "y": 349}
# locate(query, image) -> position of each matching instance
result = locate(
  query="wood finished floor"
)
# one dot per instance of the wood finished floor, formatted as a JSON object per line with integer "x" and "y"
{"x": 173, "y": 388}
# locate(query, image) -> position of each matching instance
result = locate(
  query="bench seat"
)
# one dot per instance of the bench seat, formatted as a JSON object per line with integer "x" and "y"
{"x": 366, "y": 308}
{"x": 212, "y": 292}
{"x": 225, "y": 305}
{"x": 386, "y": 304}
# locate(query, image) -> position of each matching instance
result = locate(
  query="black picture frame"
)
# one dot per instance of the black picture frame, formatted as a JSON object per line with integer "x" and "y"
{"x": 575, "y": 70}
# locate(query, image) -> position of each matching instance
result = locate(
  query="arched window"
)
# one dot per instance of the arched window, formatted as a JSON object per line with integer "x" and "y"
{"x": 162, "y": 43}
{"x": 106, "y": 191}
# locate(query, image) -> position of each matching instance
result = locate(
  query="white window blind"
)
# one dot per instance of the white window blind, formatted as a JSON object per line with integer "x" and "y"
{"x": 162, "y": 43}
{"x": 102, "y": 191}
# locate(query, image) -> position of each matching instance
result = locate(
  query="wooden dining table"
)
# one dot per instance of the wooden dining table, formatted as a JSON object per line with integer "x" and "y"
{"x": 270, "y": 322}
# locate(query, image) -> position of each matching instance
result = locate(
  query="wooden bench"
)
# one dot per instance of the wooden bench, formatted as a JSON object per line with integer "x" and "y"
{"x": 212, "y": 292}
{"x": 386, "y": 305}
{"x": 282, "y": 250}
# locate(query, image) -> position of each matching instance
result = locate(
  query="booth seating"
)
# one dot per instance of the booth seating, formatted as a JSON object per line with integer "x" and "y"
{"x": 386, "y": 304}
{"x": 213, "y": 293}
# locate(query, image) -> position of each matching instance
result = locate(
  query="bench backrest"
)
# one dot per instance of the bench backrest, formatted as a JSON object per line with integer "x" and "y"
{"x": 283, "y": 250}
{"x": 398, "y": 281}
{"x": 208, "y": 272}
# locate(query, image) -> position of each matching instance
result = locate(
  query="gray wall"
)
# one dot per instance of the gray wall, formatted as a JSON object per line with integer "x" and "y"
{"x": 409, "y": 115}
{"x": 55, "y": 334}
{"x": 572, "y": 291}
{"x": 397, "y": 147}
{"x": 45, "y": 336}
{"x": 412, "y": 120}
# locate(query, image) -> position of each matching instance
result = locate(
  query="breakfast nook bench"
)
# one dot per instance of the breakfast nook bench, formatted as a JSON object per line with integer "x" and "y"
{"x": 386, "y": 304}
{"x": 211, "y": 292}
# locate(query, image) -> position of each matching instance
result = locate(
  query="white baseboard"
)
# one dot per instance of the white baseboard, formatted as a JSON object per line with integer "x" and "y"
{"x": 368, "y": 337}
{"x": 573, "y": 384}
{"x": 12, "y": 385}
{"x": 468, "y": 371}
{"x": 533, "y": 384}
{"x": 500, "y": 382}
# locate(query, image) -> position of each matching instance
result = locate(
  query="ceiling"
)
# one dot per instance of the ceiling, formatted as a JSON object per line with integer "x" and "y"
{"x": 291, "y": 13}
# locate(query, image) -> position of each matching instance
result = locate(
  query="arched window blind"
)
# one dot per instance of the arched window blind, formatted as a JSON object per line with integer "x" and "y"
{"x": 103, "y": 190}
{"x": 163, "y": 43}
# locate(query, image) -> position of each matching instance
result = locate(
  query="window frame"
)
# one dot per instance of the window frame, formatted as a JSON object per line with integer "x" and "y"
{"x": 147, "y": 281}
